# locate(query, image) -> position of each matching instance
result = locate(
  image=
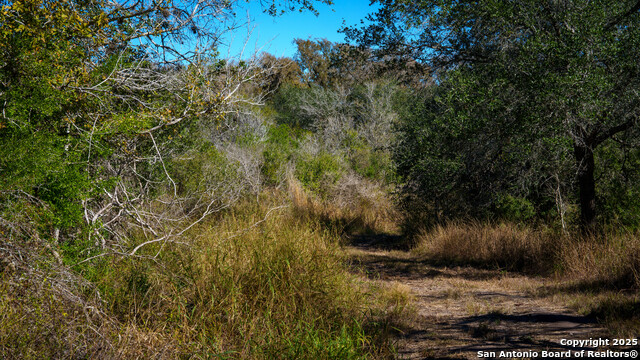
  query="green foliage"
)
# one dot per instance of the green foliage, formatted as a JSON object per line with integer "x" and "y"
{"x": 39, "y": 165}
{"x": 515, "y": 209}
{"x": 318, "y": 172}
{"x": 280, "y": 146}
{"x": 64, "y": 192}
{"x": 128, "y": 123}
{"x": 287, "y": 102}
{"x": 618, "y": 187}
{"x": 365, "y": 161}
{"x": 97, "y": 133}
{"x": 196, "y": 171}
{"x": 354, "y": 125}
{"x": 524, "y": 96}
{"x": 317, "y": 60}
{"x": 43, "y": 154}
{"x": 427, "y": 165}
{"x": 371, "y": 164}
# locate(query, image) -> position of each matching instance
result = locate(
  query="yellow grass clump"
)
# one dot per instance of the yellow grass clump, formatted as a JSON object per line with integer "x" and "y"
{"x": 506, "y": 246}
{"x": 605, "y": 259}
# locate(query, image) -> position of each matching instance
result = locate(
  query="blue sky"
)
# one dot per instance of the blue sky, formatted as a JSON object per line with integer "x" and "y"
{"x": 275, "y": 34}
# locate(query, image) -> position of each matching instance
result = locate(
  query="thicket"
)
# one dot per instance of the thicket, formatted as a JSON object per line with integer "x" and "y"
{"x": 145, "y": 199}
{"x": 532, "y": 113}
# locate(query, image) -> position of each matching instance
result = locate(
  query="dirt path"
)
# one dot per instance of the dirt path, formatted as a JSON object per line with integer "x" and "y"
{"x": 463, "y": 310}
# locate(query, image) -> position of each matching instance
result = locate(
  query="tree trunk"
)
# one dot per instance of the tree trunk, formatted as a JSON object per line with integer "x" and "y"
{"x": 587, "y": 186}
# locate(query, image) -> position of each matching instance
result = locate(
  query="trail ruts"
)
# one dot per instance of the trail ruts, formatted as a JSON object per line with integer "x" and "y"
{"x": 463, "y": 310}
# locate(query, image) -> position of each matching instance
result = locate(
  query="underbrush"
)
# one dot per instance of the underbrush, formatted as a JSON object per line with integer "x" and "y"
{"x": 503, "y": 246}
{"x": 48, "y": 311}
{"x": 602, "y": 276}
{"x": 354, "y": 206}
{"x": 258, "y": 281}
{"x": 608, "y": 260}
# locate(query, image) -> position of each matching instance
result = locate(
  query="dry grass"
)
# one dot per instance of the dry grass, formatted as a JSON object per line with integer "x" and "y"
{"x": 601, "y": 277}
{"x": 610, "y": 260}
{"x": 398, "y": 301}
{"x": 354, "y": 206}
{"x": 255, "y": 282}
{"x": 504, "y": 246}
{"x": 282, "y": 288}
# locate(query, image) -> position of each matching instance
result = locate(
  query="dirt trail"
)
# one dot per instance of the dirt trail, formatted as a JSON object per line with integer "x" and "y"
{"x": 463, "y": 310}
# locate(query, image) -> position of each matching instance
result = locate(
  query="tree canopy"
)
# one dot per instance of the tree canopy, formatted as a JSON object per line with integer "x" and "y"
{"x": 521, "y": 75}
{"x": 96, "y": 98}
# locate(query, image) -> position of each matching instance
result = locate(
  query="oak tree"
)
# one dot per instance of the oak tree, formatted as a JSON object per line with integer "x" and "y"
{"x": 561, "y": 70}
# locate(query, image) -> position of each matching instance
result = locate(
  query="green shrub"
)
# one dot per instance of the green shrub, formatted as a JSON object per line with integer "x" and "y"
{"x": 515, "y": 209}
{"x": 618, "y": 186}
{"x": 374, "y": 165}
{"x": 287, "y": 102}
{"x": 316, "y": 172}
{"x": 198, "y": 170}
{"x": 281, "y": 143}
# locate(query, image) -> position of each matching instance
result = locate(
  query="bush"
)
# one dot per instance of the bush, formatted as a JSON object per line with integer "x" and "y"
{"x": 205, "y": 171}
{"x": 617, "y": 186}
{"x": 515, "y": 209}
{"x": 373, "y": 165}
{"x": 287, "y": 102}
{"x": 318, "y": 172}
{"x": 280, "y": 146}
{"x": 38, "y": 169}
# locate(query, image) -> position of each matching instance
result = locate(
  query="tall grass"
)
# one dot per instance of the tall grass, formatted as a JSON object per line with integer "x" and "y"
{"x": 610, "y": 259}
{"x": 255, "y": 282}
{"x": 598, "y": 274}
{"x": 277, "y": 290}
{"x": 504, "y": 246}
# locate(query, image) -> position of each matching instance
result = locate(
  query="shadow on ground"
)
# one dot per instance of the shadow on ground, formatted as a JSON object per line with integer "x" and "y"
{"x": 377, "y": 262}
{"x": 379, "y": 241}
{"x": 447, "y": 328}
{"x": 464, "y": 337}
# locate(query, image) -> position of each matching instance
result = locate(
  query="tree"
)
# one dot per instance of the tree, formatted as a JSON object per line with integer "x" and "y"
{"x": 98, "y": 102}
{"x": 315, "y": 59}
{"x": 562, "y": 70}
{"x": 329, "y": 64}
{"x": 286, "y": 71}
